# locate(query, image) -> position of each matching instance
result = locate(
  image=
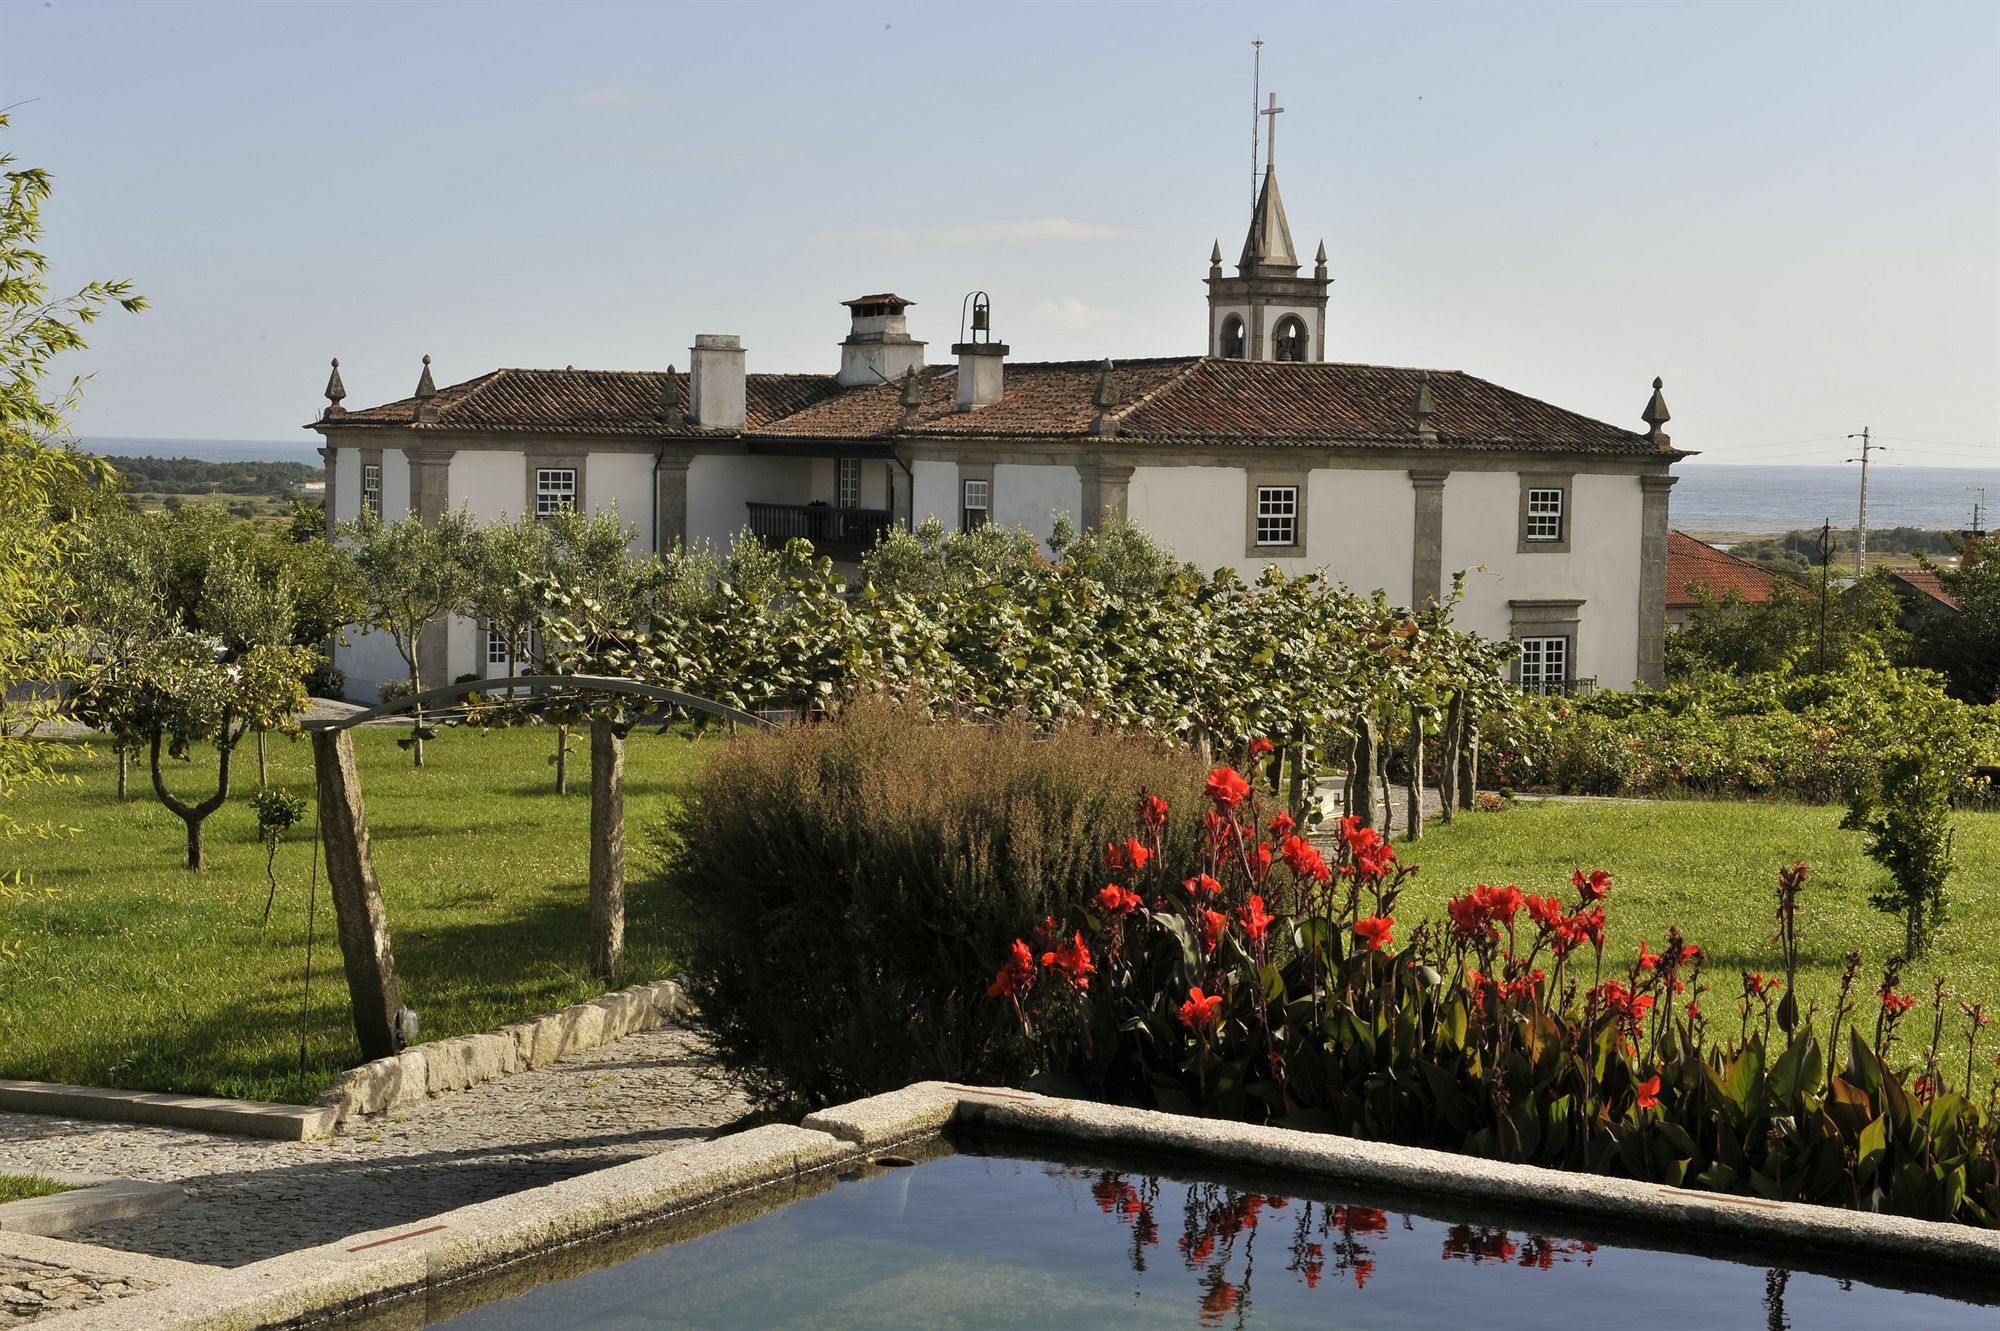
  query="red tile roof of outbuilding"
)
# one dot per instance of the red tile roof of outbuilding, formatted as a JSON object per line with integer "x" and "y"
{"x": 1692, "y": 564}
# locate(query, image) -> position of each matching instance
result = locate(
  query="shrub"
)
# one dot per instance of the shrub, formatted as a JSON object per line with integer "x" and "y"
{"x": 846, "y": 882}
{"x": 1259, "y": 981}
{"x": 326, "y": 680}
{"x": 1909, "y": 833}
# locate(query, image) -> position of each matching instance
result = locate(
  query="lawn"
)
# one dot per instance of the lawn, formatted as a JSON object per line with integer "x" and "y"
{"x": 20, "y": 1187}
{"x": 1712, "y": 868}
{"x": 133, "y": 972}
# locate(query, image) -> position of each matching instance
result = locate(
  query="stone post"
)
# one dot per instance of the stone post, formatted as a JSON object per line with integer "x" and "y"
{"x": 1362, "y": 805}
{"x": 670, "y": 499}
{"x": 1452, "y": 739}
{"x": 1653, "y": 579}
{"x": 1427, "y": 545}
{"x": 357, "y": 896}
{"x": 1415, "y": 820}
{"x": 607, "y": 851}
{"x": 1106, "y": 491}
{"x": 1468, "y": 762}
{"x": 430, "y": 497}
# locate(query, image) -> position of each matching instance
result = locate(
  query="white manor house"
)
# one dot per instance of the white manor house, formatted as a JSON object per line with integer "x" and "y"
{"x": 1258, "y": 452}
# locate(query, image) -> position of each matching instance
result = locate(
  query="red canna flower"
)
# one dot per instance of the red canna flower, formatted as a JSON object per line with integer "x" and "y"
{"x": 1115, "y": 901}
{"x": 1260, "y": 746}
{"x": 1649, "y": 1091}
{"x": 1128, "y": 856}
{"x": 1592, "y": 886}
{"x": 1072, "y": 959}
{"x": 1255, "y": 921}
{"x": 1201, "y": 1009}
{"x": 1896, "y": 1004}
{"x": 1213, "y": 925}
{"x": 1017, "y": 974}
{"x": 1647, "y": 960}
{"x": 1374, "y": 931}
{"x": 1303, "y": 860}
{"x": 1227, "y": 787}
{"x": 1153, "y": 811}
{"x": 1260, "y": 858}
{"x": 1283, "y": 826}
{"x": 1201, "y": 885}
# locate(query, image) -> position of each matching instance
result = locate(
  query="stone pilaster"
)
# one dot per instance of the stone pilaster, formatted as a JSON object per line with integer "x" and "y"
{"x": 1106, "y": 490}
{"x": 430, "y": 482}
{"x": 1653, "y": 579}
{"x": 670, "y": 501}
{"x": 1427, "y": 545}
{"x": 329, "y": 453}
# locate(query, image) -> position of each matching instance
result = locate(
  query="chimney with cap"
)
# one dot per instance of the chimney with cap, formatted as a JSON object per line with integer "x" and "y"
{"x": 715, "y": 381}
{"x": 878, "y": 348}
{"x": 981, "y": 360}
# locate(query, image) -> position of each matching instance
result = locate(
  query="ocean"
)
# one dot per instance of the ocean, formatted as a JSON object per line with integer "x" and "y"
{"x": 1711, "y": 498}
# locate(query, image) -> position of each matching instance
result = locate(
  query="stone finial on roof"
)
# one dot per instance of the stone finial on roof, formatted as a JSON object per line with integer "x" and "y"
{"x": 425, "y": 387}
{"x": 1215, "y": 260}
{"x": 672, "y": 409}
{"x": 335, "y": 391}
{"x": 1104, "y": 399}
{"x": 1424, "y": 409}
{"x": 911, "y": 398}
{"x": 1319, "y": 261}
{"x": 1655, "y": 415}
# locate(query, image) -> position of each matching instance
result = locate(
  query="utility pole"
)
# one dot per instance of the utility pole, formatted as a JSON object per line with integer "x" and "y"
{"x": 1256, "y": 113}
{"x": 1861, "y": 529}
{"x": 1825, "y": 558}
{"x": 1979, "y": 511}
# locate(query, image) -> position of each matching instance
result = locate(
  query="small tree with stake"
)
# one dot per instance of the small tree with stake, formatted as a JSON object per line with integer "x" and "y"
{"x": 278, "y": 811}
{"x": 415, "y": 575}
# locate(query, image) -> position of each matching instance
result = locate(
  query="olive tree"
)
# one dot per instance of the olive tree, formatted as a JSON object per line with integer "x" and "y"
{"x": 414, "y": 576}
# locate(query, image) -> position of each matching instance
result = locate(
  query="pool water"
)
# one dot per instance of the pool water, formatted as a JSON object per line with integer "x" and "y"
{"x": 975, "y": 1241}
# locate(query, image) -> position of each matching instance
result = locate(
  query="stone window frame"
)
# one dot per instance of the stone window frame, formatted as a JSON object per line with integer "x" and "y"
{"x": 370, "y": 457}
{"x": 970, "y": 476}
{"x": 1548, "y": 480}
{"x": 553, "y": 461}
{"x": 1547, "y": 619}
{"x": 1254, "y": 483}
{"x": 1535, "y": 652}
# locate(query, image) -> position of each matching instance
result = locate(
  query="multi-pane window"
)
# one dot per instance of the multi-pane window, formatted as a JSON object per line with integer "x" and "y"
{"x": 555, "y": 489}
{"x": 1545, "y": 514}
{"x": 496, "y": 648}
{"x": 847, "y": 482}
{"x": 1544, "y": 664}
{"x": 371, "y": 487}
{"x": 976, "y": 502}
{"x": 1277, "y": 515}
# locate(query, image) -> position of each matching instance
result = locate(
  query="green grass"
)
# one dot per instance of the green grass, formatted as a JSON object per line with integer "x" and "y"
{"x": 1712, "y": 868}
{"x": 20, "y": 1187}
{"x": 133, "y": 972}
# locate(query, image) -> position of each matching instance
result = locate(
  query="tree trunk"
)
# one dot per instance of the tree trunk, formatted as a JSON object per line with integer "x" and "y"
{"x": 357, "y": 895}
{"x": 417, "y": 713}
{"x": 263, "y": 761}
{"x": 194, "y": 814}
{"x": 1415, "y": 817}
{"x": 124, "y": 773}
{"x": 562, "y": 759}
{"x": 1468, "y": 764}
{"x": 1297, "y": 803}
{"x": 1454, "y": 722}
{"x": 1382, "y": 784}
{"x": 1362, "y": 805}
{"x": 607, "y": 852}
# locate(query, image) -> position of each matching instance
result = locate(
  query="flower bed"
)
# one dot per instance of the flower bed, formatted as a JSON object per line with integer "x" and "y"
{"x": 1270, "y": 984}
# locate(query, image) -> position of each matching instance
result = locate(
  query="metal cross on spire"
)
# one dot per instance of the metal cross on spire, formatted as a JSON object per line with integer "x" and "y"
{"x": 1271, "y": 135}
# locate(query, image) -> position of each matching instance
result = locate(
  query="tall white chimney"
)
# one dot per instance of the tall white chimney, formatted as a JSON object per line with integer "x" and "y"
{"x": 878, "y": 348}
{"x": 715, "y": 381}
{"x": 981, "y": 360}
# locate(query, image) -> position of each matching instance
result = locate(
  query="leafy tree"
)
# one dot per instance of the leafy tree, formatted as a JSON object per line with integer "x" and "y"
{"x": 1965, "y": 647}
{"x": 1908, "y": 827}
{"x": 592, "y": 590}
{"x": 1733, "y": 637}
{"x": 414, "y": 576}
{"x": 514, "y": 559}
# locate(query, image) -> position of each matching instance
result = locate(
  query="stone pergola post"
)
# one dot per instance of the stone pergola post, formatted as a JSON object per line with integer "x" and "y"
{"x": 607, "y": 851}
{"x": 357, "y": 895}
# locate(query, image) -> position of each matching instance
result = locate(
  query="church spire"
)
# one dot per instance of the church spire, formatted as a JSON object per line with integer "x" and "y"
{"x": 1267, "y": 249}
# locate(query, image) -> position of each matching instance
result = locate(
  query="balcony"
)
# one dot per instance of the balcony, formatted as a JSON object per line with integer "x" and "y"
{"x": 838, "y": 533}
{"x": 1568, "y": 688}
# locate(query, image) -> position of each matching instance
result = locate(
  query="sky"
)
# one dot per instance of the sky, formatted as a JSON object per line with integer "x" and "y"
{"x": 1789, "y": 212}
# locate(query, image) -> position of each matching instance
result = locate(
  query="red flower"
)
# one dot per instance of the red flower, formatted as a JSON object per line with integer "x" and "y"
{"x": 1153, "y": 811}
{"x": 1755, "y": 983}
{"x": 1260, "y": 858}
{"x": 1129, "y": 855}
{"x": 1202, "y": 885}
{"x": 1303, "y": 859}
{"x": 1649, "y": 1091}
{"x": 1115, "y": 901}
{"x": 1073, "y": 959}
{"x": 1592, "y": 886}
{"x": 1544, "y": 911}
{"x": 1283, "y": 826}
{"x": 1213, "y": 924}
{"x": 1017, "y": 974}
{"x": 1227, "y": 787}
{"x": 1896, "y": 1004}
{"x": 1260, "y": 746}
{"x": 1201, "y": 1009}
{"x": 1374, "y": 931}
{"x": 1647, "y": 960}
{"x": 1255, "y": 921}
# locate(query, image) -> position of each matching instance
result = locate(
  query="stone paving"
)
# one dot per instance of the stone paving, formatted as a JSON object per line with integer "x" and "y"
{"x": 251, "y": 1199}
{"x": 30, "y": 1289}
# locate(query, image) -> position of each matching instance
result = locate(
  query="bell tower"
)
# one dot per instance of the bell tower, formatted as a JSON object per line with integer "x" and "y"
{"x": 1267, "y": 311}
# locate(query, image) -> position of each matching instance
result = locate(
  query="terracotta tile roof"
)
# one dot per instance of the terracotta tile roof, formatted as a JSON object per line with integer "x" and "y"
{"x": 881, "y": 298}
{"x": 1181, "y": 399}
{"x": 1692, "y": 564}
{"x": 1925, "y": 583}
{"x": 585, "y": 402}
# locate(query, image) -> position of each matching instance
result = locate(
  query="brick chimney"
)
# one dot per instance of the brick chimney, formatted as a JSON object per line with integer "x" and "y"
{"x": 715, "y": 381}
{"x": 878, "y": 348}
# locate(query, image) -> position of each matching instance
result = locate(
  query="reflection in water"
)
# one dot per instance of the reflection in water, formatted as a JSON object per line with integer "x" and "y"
{"x": 1219, "y": 1226}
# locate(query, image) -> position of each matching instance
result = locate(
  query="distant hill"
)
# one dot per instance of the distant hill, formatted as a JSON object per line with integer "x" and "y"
{"x": 248, "y": 489}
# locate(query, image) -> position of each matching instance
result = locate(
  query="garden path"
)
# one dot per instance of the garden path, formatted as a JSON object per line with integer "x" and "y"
{"x": 250, "y": 1199}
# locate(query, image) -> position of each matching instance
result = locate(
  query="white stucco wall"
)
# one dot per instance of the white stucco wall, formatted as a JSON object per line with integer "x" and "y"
{"x": 346, "y": 478}
{"x": 367, "y": 660}
{"x": 935, "y": 493}
{"x": 494, "y": 485}
{"x": 395, "y": 484}
{"x": 1029, "y": 497}
{"x": 1195, "y": 512}
{"x": 623, "y": 481}
{"x": 720, "y": 485}
{"x": 1359, "y": 526}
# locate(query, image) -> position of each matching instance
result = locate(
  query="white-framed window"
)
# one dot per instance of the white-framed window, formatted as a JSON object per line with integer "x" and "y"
{"x": 555, "y": 488}
{"x": 496, "y": 649}
{"x": 1545, "y": 514}
{"x": 975, "y": 504}
{"x": 1544, "y": 664}
{"x": 1277, "y": 515}
{"x": 847, "y": 482}
{"x": 371, "y": 487}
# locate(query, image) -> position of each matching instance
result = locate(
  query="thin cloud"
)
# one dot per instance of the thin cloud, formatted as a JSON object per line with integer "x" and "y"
{"x": 1069, "y": 313}
{"x": 968, "y": 235}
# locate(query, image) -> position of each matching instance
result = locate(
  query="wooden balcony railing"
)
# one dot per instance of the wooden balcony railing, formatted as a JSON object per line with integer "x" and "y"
{"x": 839, "y": 533}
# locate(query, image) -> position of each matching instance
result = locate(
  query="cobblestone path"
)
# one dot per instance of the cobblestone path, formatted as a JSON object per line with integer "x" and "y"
{"x": 250, "y": 1199}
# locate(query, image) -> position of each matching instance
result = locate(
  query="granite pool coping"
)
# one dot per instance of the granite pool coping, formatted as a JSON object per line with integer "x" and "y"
{"x": 380, "y": 1267}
